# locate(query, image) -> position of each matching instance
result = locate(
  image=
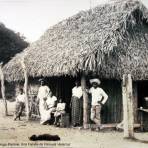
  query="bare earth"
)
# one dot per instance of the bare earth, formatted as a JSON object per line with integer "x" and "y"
{"x": 15, "y": 134}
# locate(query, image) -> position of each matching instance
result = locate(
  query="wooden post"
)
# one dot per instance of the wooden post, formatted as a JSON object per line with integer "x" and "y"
{"x": 26, "y": 88}
{"x": 128, "y": 114}
{"x": 135, "y": 101}
{"x": 85, "y": 102}
{"x": 3, "y": 89}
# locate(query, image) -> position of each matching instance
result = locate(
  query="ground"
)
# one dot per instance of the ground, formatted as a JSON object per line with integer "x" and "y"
{"x": 16, "y": 133}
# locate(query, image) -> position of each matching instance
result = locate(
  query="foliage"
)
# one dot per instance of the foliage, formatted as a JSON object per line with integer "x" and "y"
{"x": 10, "y": 43}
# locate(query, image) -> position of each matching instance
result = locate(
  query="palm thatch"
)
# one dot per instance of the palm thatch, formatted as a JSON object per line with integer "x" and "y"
{"x": 10, "y": 43}
{"x": 108, "y": 40}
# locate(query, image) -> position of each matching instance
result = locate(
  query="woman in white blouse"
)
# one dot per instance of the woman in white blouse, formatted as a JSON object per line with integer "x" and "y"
{"x": 76, "y": 105}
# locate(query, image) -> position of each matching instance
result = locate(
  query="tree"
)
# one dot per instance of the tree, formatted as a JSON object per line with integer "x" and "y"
{"x": 10, "y": 43}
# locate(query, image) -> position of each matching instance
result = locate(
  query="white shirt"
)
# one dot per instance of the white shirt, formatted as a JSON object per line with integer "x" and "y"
{"x": 43, "y": 92}
{"x": 77, "y": 91}
{"x": 97, "y": 95}
{"x": 61, "y": 106}
{"x": 20, "y": 98}
{"x": 51, "y": 101}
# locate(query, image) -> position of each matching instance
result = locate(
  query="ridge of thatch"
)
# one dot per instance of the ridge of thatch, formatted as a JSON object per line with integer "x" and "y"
{"x": 110, "y": 40}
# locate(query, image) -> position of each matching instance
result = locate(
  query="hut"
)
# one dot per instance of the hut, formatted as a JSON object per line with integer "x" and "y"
{"x": 107, "y": 41}
{"x": 10, "y": 44}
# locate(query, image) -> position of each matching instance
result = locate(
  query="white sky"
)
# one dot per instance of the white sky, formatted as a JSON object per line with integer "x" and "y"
{"x": 33, "y": 17}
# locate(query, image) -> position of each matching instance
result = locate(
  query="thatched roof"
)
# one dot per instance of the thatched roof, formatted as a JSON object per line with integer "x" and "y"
{"x": 10, "y": 43}
{"x": 110, "y": 39}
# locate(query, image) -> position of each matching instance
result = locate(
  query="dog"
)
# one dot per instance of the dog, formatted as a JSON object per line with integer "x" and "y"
{"x": 46, "y": 137}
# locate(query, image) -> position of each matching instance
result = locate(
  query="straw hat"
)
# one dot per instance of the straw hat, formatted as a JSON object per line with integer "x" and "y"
{"x": 95, "y": 80}
{"x": 41, "y": 80}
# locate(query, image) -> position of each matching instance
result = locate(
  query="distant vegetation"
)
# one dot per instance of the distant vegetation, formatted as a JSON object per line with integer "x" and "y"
{"x": 10, "y": 43}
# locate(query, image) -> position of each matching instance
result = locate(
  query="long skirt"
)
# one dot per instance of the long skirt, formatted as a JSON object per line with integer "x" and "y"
{"x": 77, "y": 111}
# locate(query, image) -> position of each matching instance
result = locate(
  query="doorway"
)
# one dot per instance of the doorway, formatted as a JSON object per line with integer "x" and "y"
{"x": 142, "y": 93}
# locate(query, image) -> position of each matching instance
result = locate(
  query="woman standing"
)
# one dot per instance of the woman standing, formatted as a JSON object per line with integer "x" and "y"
{"x": 77, "y": 105}
{"x": 42, "y": 97}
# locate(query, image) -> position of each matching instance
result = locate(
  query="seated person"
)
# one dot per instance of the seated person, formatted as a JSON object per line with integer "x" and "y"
{"x": 60, "y": 109}
{"x": 20, "y": 104}
{"x": 48, "y": 107}
{"x": 51, "y": 101}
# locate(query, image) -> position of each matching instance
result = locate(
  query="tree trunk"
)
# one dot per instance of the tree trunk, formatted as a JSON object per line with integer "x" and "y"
{"x": 26, "y": 88}
{"x": 128, "y": 114}
{"x": 85, "y": 102}
{"x": 3, "y": 89}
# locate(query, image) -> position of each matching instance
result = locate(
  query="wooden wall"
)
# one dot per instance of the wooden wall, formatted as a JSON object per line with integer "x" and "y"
{"x": 112, "y": 110}
{"x": 62, "y": 86}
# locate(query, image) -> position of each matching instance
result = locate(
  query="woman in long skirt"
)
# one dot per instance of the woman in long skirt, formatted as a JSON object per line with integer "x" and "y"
{"x": 77, "y": 105}
{"x": 42, "y": 97}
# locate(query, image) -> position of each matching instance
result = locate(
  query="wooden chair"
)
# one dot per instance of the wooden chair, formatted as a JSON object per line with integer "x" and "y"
{"x": 33, "y": 107}
{"x": 65, "y": 120}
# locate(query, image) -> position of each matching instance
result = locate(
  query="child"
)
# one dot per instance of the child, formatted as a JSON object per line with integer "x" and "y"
{"x": 34, "y": 109}
{"x": 20, "y": 104}
{"x": 60, "y": 109}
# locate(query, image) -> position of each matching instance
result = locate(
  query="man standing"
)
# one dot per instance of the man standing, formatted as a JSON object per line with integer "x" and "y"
{"x": 99, "y": 97}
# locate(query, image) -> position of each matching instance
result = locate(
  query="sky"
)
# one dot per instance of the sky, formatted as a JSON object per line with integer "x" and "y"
{"x": 33, "y": 17}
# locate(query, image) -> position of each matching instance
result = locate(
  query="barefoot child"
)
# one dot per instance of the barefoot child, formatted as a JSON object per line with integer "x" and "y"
{"x": 60, "y": 109}
{"x": 20, "y": 104}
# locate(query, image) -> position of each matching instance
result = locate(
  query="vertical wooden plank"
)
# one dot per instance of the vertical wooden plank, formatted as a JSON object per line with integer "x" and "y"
{"x": 125, "y": 111}
{"x": 130, "y": 106}
{"x": 135, "y": 101}
{"x": 85, "y": 102}
{"x": 3, "y": 89}
{"x": 128, "y": 114}
{"x": 26, "y": 88}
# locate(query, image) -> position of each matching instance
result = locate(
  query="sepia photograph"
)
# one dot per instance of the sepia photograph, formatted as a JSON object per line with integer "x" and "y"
{"x": 73, "y": 73}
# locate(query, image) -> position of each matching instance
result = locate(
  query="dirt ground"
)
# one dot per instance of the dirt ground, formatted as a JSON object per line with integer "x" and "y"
{"x": 15, "y": 134}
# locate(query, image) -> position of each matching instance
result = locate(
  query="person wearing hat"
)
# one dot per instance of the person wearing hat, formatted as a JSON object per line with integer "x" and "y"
{"x": 99, "y": 97}
{"x": 76, "y": 105}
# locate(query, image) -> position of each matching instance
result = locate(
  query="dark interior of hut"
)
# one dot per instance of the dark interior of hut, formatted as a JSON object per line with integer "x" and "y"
{"x": 62, "y": 89}
{"x": 142, "y": 93}
{"x": 111, "y": 111}
{"x": 143, "y": 102}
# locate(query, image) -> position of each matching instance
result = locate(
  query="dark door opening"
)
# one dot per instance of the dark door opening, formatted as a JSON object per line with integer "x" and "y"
{"x": 142, "y": 93}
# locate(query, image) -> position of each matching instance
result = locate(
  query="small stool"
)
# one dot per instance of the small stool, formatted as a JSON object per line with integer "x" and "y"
{"x": 64, "y": 122}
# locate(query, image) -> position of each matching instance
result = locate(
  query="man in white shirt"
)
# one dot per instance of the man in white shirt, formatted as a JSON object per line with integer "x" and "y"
{"x": 99, "y": 97}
